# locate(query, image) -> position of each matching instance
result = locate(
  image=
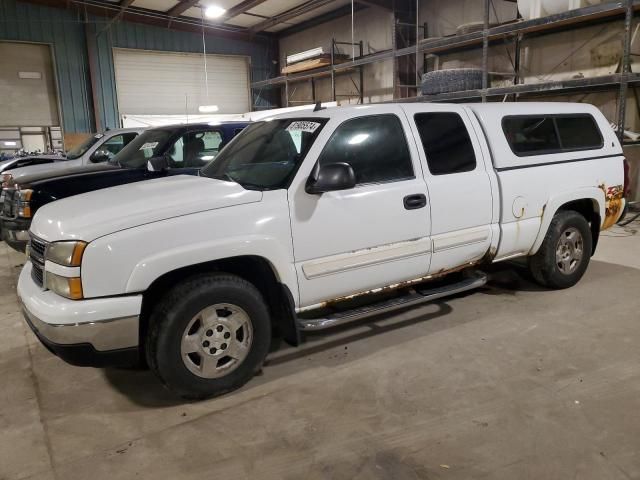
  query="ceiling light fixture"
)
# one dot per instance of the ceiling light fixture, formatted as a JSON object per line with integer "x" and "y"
{"x": 214, "y": 11}
{"x": 208, "y": 108}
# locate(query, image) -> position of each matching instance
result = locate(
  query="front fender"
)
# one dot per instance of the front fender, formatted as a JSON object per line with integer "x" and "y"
{"x": 595, "y": 194}
{"x": 153, "y": 266}
{"x": 130, "y": 260}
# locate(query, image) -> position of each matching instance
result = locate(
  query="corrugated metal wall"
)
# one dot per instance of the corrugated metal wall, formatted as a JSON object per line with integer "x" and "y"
{"x": 134, "y": 35}
{"x": 66, "y": 31}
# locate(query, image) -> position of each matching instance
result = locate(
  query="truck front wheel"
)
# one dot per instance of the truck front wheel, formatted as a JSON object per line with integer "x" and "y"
{"x": 565, "y": 252}
{"x": 209, "y": 335}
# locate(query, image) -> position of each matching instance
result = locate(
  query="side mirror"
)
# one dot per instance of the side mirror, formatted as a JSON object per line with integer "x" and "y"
{"x": 100, "y": 156}
{"x": 158, "y": 164}
{"x": 331, "y": 177}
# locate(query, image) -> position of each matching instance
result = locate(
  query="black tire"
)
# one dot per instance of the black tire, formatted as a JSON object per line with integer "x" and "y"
{"x": 173, "y": 314}
{"x": 545, "y": 267}
{"x": 625, "y": 210}
{"x": 451, "y": 80}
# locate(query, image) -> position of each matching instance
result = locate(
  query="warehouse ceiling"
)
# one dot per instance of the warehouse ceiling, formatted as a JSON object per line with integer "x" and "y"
{"x": 246, "y": 16}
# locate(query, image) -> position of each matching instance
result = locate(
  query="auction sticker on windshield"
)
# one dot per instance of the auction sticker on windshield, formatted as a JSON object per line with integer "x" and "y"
{"x": 303, "y": 126}
{"x": 149, "y": 145}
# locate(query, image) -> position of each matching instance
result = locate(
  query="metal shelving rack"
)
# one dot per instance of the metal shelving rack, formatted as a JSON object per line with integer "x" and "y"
{"x": 509, "y": 32}
{"x": 331, "y": 70}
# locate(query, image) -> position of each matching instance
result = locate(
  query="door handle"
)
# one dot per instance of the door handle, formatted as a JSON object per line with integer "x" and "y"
{"x": 415, "y": 201}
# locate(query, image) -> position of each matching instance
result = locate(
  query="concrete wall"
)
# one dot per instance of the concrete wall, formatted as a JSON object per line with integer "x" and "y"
{"x": 443, "y": 17}
{"x": 374, "y": 27}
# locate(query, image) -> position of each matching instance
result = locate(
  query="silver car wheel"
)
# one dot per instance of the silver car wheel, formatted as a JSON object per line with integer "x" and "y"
{"x": 216, "y": 340}
{"x": 569, "y": 251}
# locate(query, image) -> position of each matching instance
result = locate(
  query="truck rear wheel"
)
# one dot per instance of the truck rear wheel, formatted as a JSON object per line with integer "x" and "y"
{"x": 208, "y": 336}
{"x": 565, "y": 252}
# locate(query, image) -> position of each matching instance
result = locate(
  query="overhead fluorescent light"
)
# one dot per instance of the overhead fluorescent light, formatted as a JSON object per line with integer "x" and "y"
{"x": 30, "y": 75}
{"x": 214, "y": 11}
{"x": 306, "y": 55}
{"x": 10, "y": 144}
{"x": 208, "y": 108}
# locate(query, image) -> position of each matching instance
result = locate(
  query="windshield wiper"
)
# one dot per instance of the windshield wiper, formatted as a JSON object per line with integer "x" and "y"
{"x": 225, "y": 177}
{"x": 246, "y": 185}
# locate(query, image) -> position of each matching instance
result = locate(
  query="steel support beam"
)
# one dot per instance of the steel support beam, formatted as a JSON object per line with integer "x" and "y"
{"x": 485, "y": 50}
{"x": 180, "y": 8}
{"x": 383, "y": 4}
{"x": 151, "y": 17}
{"x": 626, "y": 68}
{"x": 124, "y": 4}
{"x": 241, "y": 8}
{"x": 289, "y": 14}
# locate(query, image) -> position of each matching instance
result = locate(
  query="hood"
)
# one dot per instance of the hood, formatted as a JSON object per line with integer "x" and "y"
{"x": 95, "y": 214}
{"x": 52, "y": 156}
{"x": 30, "y": 160}
{"x": 28, "y": 175}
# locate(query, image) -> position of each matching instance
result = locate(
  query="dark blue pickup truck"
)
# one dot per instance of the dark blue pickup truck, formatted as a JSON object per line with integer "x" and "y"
{"x": 180, "y": 149}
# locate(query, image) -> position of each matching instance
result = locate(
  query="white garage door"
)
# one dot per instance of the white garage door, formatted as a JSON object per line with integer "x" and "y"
{"x": 166, "y": 83}
{"x": 27, "y": 86}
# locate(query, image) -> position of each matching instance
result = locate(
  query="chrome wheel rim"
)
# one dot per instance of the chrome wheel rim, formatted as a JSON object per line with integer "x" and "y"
{"x": 569, "y": 251}
{"x": 216, "y": 340}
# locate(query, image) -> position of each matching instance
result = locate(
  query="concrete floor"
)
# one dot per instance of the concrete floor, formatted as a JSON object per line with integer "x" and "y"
{"x": 510, "y": 382}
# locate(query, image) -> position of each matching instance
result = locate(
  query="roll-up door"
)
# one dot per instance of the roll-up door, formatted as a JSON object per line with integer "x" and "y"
{"x": 159, "y": 83}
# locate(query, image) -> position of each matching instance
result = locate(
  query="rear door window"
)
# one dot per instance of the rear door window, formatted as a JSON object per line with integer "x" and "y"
{"x": 375, "y": 146}
{"x": 446, "y": 143}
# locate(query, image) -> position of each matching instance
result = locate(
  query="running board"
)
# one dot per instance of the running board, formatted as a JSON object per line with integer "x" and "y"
{"x": 475, "y": 280}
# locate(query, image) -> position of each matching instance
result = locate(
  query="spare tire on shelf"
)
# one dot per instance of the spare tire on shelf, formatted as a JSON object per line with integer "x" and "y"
{"x": 451, "y": 80}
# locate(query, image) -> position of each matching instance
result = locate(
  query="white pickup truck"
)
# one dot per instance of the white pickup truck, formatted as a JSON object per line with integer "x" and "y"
{"x": 307, "y": 221}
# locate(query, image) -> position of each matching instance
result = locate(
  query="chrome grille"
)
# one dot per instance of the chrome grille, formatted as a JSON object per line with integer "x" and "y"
{"x": 9, "y": 205}
{"x": 37, "y": 249}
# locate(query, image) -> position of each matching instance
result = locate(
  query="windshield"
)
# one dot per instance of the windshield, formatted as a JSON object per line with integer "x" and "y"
{"x": 79, "y": 150}
{"x": 266, "y": 154}
{"x": 146, "y": 145}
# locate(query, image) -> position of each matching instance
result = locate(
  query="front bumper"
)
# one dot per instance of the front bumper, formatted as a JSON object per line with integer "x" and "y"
{"x": 97, "y": 332}
{"x": 16, "y": 232}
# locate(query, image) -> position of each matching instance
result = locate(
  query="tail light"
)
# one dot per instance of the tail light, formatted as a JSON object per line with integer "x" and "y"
{"x": 627, "y": 182}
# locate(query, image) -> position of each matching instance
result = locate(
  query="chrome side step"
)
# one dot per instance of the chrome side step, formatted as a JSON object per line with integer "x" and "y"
{"x": 475, "y": 280}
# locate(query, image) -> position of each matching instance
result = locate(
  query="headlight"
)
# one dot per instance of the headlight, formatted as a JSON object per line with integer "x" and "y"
{"x": 6, "y": 179}
{"x": 25, "y": 195}
{"x": 24, "y": 202}
{"x": 65, "y": 253}
{"x": 64, "y": 286}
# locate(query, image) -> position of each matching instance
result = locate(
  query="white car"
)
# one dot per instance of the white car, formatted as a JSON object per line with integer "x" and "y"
{"x": 310, "y": 220}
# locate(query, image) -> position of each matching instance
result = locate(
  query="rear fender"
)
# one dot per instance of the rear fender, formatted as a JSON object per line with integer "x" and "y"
{"x": 595, "y": 194}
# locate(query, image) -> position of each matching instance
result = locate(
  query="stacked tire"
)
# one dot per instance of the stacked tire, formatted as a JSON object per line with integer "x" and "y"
{"x": 451, "y": 80}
